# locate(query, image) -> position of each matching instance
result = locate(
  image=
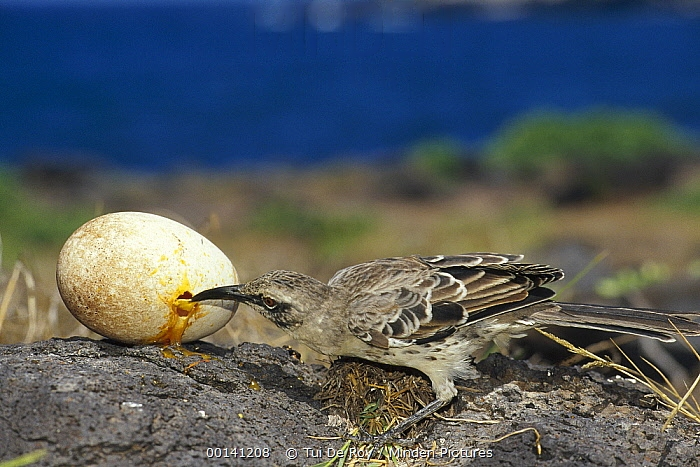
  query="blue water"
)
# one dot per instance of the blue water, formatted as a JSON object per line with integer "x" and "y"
{"x": 159, "y": 87}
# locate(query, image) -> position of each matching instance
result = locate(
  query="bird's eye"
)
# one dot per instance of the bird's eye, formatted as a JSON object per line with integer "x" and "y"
{"x": 269, "y": 302}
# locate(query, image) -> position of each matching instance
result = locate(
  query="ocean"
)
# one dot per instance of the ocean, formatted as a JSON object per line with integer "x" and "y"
{"x": 221, "y": 84}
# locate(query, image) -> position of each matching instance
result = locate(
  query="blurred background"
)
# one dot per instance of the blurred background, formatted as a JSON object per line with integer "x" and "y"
{"x": 311, "y": 135}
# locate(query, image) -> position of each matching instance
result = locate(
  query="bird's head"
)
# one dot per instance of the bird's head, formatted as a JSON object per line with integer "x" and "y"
{"x": 284, "y": 297}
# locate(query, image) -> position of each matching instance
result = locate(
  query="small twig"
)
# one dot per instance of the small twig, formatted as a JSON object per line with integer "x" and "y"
{"x": 466, "y": 420}
{"x": 538, "y": 437}
{"x": 32, "y": 311}
{"x": 9, "y": 291}
{"x": 581, "y": 274}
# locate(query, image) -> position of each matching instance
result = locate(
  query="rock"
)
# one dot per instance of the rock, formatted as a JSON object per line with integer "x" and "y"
{"x": 98, "y": 403}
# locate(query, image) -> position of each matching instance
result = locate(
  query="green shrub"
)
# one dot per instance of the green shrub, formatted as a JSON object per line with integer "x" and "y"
{"x": 439, "y": 158}
{"x": 27, "y": 225}
{"x": 328, "y": 233}
{"x": 597, "y": 151}
{"x": 534, "y": 141}
{"x": 627, "y": 281}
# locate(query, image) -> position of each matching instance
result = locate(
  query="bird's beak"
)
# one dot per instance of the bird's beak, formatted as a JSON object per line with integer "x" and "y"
{"x": 227, "y": 292}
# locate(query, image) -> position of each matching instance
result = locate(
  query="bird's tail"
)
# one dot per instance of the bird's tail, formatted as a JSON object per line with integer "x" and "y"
{"x": 657, "y": 324}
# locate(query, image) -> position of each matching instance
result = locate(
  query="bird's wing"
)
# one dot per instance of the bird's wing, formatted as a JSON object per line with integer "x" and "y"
{"x": 403, "y": 301}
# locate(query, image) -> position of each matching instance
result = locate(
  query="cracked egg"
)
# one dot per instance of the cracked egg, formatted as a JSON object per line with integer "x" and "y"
{"x": 128, "y": 275}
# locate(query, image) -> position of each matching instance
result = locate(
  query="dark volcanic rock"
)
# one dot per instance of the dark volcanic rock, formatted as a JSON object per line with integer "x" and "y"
{"x": 97, "y": 403}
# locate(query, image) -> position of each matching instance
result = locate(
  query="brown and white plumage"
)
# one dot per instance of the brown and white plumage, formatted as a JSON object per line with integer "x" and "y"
{"x": 432, "y": 312}
{"x": 424, "y": 298}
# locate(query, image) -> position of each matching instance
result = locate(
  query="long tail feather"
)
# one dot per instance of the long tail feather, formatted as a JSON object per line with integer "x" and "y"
{"x": 657, "y": 324}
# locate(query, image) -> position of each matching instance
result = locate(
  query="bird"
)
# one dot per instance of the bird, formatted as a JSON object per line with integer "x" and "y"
{"x": 432, "y": 313}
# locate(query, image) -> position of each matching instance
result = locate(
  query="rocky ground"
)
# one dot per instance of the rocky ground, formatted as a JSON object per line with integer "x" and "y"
{"x": 92, "y": 402}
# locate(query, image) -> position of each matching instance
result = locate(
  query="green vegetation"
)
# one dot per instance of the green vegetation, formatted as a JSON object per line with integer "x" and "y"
{"x": 535, "y": 141}
{"x": 683, "y": 198}
{"x": 593, "y": 153}
{"x": 438, "y": 158}
{"x": 628, "y": 280}
{"x": 327, "y": 233}
{"x": 25, "y": 459}
{"x": 27, "y": 225}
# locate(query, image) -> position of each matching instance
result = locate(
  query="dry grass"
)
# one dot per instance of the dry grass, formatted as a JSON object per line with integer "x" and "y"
{"x": 32, "y": 310}
{"x": 667, "y": 394}
{"x": 22, "y": 319}
{"x": 372, "y": 397}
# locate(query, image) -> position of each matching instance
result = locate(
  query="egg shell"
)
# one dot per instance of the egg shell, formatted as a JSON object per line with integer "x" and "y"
{"x": 124, "y": 275}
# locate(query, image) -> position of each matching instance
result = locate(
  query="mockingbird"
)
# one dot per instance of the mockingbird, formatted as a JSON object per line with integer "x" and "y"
{"x": 432, "y": 313}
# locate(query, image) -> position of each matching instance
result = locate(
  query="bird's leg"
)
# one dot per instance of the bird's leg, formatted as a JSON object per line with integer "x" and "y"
{"x": 392, "y": 435}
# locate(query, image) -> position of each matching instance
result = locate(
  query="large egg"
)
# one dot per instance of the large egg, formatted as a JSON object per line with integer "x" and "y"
{"x": 128, "y": 275}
